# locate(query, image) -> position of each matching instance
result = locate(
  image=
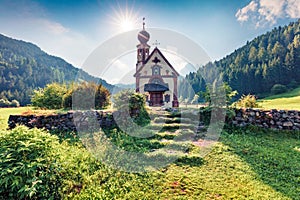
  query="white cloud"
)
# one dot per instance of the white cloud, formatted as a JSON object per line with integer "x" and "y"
{"x": 293, "y": 8}
{"x": 242, "y": 14}
{"x": 49, "y": 26}
{"x": 267, "y": 12}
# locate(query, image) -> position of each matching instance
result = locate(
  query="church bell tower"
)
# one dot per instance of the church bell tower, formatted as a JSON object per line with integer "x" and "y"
{"x": 142, "y": 48}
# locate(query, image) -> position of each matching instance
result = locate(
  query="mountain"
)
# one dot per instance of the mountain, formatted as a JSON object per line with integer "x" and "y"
{"x": 126, "y": 86}
{"x": 270, "y": 59}
{"x": 25, "y": 67}
{"x": 188, "y": 68}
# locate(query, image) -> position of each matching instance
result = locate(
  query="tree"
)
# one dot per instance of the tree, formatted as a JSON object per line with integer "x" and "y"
{"x": 278, "y": 89}
{"x": 195, "y": 99}
{"x": 15, "y": 103}
{"x": 215, "y": 92}
{"x": 134, "y": 103}
{"x": 85, "y": 96}
{"x": 102, "y": 97}
{"x": 50, "y": 97}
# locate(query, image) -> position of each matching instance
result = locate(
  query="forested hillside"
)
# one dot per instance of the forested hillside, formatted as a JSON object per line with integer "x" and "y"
{"x": 272, "y": 58}
{"x": 25, "y": 67}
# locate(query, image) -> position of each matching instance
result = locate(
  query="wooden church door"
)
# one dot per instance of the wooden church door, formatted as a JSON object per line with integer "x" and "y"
{"x": 156, "y": 98}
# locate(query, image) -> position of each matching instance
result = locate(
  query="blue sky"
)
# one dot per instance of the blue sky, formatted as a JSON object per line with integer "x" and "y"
{"x": 73, "y": 29}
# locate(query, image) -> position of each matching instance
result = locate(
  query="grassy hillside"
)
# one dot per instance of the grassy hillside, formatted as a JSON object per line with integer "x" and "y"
{"x": 289, "y": 101}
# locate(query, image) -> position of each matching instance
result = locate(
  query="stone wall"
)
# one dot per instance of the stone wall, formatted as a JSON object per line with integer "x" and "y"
{"x": 71, "y": 121}
{"x": 275, "y": 119}
{"x": 76, "y": 121}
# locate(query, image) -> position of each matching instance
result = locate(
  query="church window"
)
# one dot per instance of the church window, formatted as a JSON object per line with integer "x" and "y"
{"x": 167, "y": 98}
{"x": 156, "y": 70}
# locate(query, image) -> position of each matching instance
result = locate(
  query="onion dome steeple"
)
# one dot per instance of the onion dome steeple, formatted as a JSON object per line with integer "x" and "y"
{"x": 143, "y": 35}
{"x": 143, "y": 47}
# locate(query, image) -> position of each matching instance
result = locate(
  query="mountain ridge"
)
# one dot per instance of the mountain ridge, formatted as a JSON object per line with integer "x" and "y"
{"x": 269, "y": 59}
{"x": 24, "y": 67}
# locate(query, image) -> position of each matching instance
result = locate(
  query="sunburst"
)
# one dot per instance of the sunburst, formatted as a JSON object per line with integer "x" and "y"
{"x": 125, "y": 18}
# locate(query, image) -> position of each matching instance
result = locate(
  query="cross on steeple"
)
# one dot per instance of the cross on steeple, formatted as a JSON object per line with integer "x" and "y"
{"x": 144, "y": 23}
{"x": 156, "y": 43}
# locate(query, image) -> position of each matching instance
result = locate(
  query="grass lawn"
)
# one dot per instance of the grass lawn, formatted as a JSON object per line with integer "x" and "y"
{"x": 288, "y": 101}
{"x": 248, "y": 163}
{"x": 5, "y": 112}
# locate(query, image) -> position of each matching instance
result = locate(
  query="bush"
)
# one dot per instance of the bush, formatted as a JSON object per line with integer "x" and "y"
{"x": 135, "y": 103}
{"x": 29, "y": 167}
{"x": 4, "y": 103}
{"x": 87, "y": 96}
{"x": 14, "y": 103}
{"x": 247, "y": 101}
{"x": 50, "y": 97}
{"x": 83, "y": 96}
{"x": 278, "y": 89}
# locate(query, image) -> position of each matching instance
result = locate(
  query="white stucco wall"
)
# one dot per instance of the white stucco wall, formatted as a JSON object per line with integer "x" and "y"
{"x": 165, "y": 70}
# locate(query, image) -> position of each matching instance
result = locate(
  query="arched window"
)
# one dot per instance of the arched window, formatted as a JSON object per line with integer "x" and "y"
{"x": 156, "y": 70}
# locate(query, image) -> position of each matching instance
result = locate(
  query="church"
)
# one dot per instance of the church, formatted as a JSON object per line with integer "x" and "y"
{"x": 155, "y": 76}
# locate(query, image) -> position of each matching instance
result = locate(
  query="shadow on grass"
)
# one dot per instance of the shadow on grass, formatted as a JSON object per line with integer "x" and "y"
{"x": 273, "y": 155}
{"x": 191, "y": 161}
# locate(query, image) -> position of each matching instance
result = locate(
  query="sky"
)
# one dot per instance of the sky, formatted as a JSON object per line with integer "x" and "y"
{"x": 72, "y": 29}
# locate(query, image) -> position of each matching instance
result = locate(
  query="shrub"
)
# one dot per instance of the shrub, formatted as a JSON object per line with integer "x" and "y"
{"x": 247, "y": 101}
{"x": 128, "y": 100}
{"x": 50, "y": 97}
{"x": 4, "y": 103}
{"x": 15, "y": 103}
{"x": 29, "y": 167}
{"x": 87, "y": 96}
{"x": 278, "y": 89}
{"x": 83, "y": 96}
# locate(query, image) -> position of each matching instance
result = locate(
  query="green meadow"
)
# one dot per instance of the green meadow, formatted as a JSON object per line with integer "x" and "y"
{"x": 245, "y": 163}
{"x": 287, "y": 101}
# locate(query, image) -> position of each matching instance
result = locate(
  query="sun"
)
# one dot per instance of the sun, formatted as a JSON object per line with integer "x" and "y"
{"x": 127, "y": 24}
{"x": 125, "y": 18}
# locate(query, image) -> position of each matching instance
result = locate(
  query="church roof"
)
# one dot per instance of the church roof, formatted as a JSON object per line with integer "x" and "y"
{"x": 163, "y": 57}
{"x": 153, "y": 87}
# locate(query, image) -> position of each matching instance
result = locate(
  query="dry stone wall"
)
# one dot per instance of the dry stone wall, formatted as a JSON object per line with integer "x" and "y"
{"x": 79, "y": 120}
{"x": 274, "y": 119}
{"x": 71, "y": 121}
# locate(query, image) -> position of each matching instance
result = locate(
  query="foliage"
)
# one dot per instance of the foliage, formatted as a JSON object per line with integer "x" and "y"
{"x": 247, "y": 101}
{"x": 135, "y": 103}
{"x": 4, "y": 103}
{"x": 278, "y": 89}
{"x": 246, "y": 163}
{"x": 86, "y": 96}
{"x": 24, "y": 67}
{"x": 14, "y": 103}
{"x": 50, "y": 97}
{"x": 29, "y": 167}
{"x": 195, "y": 99}
{"x": 272, "y": 58}
{"x": 221, "y": 95}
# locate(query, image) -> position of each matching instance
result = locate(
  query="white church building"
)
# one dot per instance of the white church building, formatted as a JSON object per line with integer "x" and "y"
{"x": 155, "y": 76}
